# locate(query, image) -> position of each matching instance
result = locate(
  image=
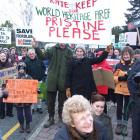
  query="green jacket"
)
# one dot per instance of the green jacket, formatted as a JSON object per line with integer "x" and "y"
{"x": 58, "y": 61}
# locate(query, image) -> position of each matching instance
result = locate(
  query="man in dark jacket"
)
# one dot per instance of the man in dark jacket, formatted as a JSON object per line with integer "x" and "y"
{"x": 58, "y": 56}
{"x": 134, "y": 88}
{"x": 36, "y": 69}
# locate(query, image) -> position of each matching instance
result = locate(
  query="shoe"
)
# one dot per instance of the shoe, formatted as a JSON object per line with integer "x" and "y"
{"x": 39, "y": 110}
{"x": 124, "y": 130}
{"x": 21, "y": 129}
{"x": 49, "y": 122}
{"x": 2, "y": 116}
{"x": 118, "y": 129}
{"x": 27, "y": 129}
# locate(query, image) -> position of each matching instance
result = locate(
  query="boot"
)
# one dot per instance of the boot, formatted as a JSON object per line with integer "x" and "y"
{"x": 118, "y": 129}
{"x": 21, "y": 129}
{"x": 124, "y": 130}
{"x": 49, "y": 122}
{"x": 39, "y": 110}
{"x": 28, "y": 130}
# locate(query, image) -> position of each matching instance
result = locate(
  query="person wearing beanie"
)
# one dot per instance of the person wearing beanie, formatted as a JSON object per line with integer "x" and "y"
{"x": 23, "y": 109}
{"x": 80, "y": 78}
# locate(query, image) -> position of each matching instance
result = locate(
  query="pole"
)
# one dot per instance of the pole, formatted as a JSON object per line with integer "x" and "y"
{"x": 138, "y": 36}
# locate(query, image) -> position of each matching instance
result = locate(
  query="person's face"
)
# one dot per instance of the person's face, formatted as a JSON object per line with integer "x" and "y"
{"x": 3, "y": 57}
{"x": 111, "y": 52}
{"x": 79, "y": 53}
{"x": 83, "y": 122}
{"x": 137, "y": 56}
{"x": 13, "y": 51}
{"x": 24, "y": 53}
{"x": 98, "y": 107}
{"x": 62, "y": 45}
{"x": 32, "y": 55}
{"x": 116, "y": 52}
{"x": 126, "y": 56}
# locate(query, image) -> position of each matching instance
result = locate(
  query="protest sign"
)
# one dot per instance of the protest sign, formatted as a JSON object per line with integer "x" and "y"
{"x": 23, "y": 37}
{"x": 5, "y": 35}
{"x": 85, "y": 21}
{"x": 7, "y": 73}
{"x": 104, "y": 78}
{"x": 21, "y": 91}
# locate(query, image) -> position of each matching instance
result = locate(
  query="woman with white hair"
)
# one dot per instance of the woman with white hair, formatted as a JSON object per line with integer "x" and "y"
{"x": 80, "y": 79}
{"x": 78, "y": 120}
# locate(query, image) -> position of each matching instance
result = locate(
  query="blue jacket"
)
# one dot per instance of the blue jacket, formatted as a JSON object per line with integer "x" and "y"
{"x": 63, "y": 133}
{"x": 133, "y": 87}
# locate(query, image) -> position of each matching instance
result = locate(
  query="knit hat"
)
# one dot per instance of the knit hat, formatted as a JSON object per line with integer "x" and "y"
{"x": 80, "y": 46}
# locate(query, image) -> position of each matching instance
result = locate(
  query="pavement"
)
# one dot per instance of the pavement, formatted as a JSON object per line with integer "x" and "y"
{"x": 48, "y": 133}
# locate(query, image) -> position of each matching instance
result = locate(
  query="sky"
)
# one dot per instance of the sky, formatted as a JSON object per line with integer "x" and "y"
{"x": 9, "y": 10}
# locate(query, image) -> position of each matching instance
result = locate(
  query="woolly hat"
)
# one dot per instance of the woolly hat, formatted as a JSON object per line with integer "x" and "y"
{"x": 80, "y": 46}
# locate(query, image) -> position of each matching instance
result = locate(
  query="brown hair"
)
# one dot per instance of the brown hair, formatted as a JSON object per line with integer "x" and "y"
{"x": 129, "y": 50}
{"x": 97, "y": 97}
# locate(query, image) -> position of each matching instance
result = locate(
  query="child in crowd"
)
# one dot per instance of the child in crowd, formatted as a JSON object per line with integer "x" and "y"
{"x": 23, "y": 109}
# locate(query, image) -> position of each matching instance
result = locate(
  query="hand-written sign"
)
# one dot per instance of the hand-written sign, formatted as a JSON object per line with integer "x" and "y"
{"x": 5, "y": 35}
{"x": 7, "y": 73}
{"x": 22, "y": 91}
{"x": 86, "y": 21}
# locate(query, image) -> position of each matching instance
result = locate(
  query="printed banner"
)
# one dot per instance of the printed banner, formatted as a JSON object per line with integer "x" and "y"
{"x": 23, "y": 37}
{"x": 7, "y": 73}
{"x": 5, "y": 35}
{"x": 21, "y": 91}
{"x": 78, "y": 21}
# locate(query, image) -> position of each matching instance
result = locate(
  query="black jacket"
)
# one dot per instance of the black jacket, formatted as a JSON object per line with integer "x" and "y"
{"x": 64, "y": 134}
{"x": 35, "y": 68}
{"x": 80, "y": 77}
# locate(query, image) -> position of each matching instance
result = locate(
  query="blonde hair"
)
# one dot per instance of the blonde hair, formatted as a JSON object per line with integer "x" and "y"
{"x": 31, "y": 51}
{"x": 74, "y": 104}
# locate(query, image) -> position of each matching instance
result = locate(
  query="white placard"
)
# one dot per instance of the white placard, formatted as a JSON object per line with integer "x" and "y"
{"x": 72, "y": 21}
{"x": 5, "y": 35}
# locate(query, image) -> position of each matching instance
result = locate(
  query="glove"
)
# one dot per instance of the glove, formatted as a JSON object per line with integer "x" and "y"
{"x": 123, "y": 78}
{"x": 38, "y": 91}
{"x": 5, "y": 93}
{"x": 68, "y": 92}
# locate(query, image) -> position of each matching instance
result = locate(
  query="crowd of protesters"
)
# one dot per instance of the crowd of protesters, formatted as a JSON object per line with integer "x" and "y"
{"x": 71, "y": 74}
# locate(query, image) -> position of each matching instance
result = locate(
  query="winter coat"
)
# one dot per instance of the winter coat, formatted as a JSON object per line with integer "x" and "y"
{"x": 80, "y": 77}
{"x": 57, "y": 69}
{"x": 121, "y": 72}
{"x": 104, "y": 66}
{"x": 4, "y": 65}
{"x": 105, "y": 124}
{"x": 35, "y": 68}
{"x": 69, "y": 133}
{"x": 133, "y": 87}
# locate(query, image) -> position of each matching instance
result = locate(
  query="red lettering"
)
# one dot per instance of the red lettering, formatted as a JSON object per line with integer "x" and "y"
{"x": 100, "y": 24}
{"x": 65, "y": 32}
{"x": 20, "y": 41}
{"x": 54, "y": 19}
{"x": 51, "y": 29}
{"x": 76, "y": 31}
{"x": 48, "y": 19}
{"x": 88, "y": 35}
{"x": 57, "y": 33}
{"x": 95, "y": 33}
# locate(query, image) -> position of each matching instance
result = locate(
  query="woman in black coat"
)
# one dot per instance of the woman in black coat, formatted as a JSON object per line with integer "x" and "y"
{"x": 80, "y": 78}
{"x": 5, "y": 108}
